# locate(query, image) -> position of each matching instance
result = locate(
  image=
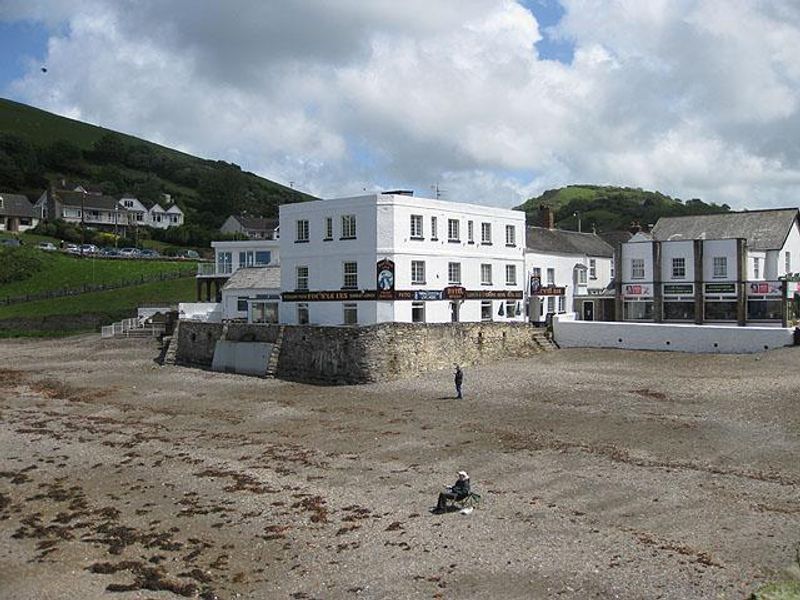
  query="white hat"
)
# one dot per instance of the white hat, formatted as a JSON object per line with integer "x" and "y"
{"x": 463, "y": 474}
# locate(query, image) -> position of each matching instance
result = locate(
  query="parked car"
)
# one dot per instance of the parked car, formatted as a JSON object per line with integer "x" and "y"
{"x": 148, "y": 253}
{"x": 129, "y": 252}
{"x": 108, "y": 251}
{"x": 72, "y": 248}
{"x": 47, "y": 246}
{"x": 10, "y": 242}
{"x": 189, "y": 254}
{"x": 89, "y": 249}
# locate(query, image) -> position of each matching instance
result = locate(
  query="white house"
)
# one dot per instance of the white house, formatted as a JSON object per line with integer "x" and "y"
{"x": 252, "y": 294}
{"x": 727, "y": 268}
{"x": 229, "y": 257}
{"x": 395, "y": 258}
{"x": 256, "y": 228}
{"x": 567, "y": 271}
{"x": 17, "y": 213}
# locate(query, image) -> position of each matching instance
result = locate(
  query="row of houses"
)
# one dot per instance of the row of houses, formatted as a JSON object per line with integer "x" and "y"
{"x": 397, "y": 258}
{"x": 87, "y": 207}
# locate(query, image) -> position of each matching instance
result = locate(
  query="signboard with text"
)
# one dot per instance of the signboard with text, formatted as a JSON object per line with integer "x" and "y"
{"x": 637, "y": 289}
{"x": 385, "y": 279}
{"x": 764, "y": 288}
{"x": 720, "y": 288}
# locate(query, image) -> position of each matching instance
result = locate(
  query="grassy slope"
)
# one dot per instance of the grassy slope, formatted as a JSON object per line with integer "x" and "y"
{"x": 63, "y": 271}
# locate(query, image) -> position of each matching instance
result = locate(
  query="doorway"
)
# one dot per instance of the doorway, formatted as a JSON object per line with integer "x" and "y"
{"x": 588, "y": 310}
{"x": 454, "y": 311}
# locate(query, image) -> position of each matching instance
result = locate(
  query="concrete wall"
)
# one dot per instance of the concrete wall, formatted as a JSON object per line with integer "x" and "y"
{"x": 570, "y": 333}
{"x": 346, "y": 355}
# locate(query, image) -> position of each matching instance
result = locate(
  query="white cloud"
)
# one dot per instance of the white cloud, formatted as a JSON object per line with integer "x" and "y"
{"x": 696, "y": 98}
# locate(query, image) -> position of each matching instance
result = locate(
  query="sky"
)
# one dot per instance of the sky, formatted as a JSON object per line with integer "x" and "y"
{"x": 488, "y": 101}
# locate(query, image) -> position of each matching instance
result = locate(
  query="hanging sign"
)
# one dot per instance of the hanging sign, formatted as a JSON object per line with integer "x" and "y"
{"x": 385, "y": 279}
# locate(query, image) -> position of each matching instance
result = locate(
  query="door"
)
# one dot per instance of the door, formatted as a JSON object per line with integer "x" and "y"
{"x": 588, "y": 311}
{"x": 454, "y": 309}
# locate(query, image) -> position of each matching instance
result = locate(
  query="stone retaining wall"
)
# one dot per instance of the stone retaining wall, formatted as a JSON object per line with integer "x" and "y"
{"x": 347, "y": 355}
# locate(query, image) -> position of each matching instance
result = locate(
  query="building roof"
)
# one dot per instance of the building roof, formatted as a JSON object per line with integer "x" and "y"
{"x": 256, "y": 223}
{"x": 612, "y": 238}
{"x": 89, "y": 201}
{"x": 16, "y": 205}
{"x": 250, "y": 278}
{"x": 562, "y": 241}
{"x": 763, "y": 229}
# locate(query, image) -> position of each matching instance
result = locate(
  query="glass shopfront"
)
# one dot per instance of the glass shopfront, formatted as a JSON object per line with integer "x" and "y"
{"x": 720, "y": 302}
{"x": 765, "y": 301}
{"x": 678, "y": 302}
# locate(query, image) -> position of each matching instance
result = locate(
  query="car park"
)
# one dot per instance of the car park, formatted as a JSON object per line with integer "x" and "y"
{"x": 129, "y": 252}
{"x": 109, "y": 252}
{"x": 72, "y": 248}
{"x": 148, "y": 253}
{"x": 47, "y": 246}
{"x": 88, "y": 249}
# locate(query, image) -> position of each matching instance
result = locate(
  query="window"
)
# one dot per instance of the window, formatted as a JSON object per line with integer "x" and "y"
{"x": 637, "y": 268}
{"x": 263, "y": 257}
{"x": 417, "y": 272}
{"x": 351, "y": 313}
{"x": 511, "y": 308}
{"x": 224, "y": 262}
{"x": 453, "y": 273}
{"x": 486, "y": 310}
{"x": 486, "y": 233}
{"x": 302, "y": 230}
{"x": 678, "y": 268}
{"x": 756, "y": 268}
{"x": 434, "y": 228}
{"x": 720, "y": 266}
{"x": 241, "y": 304}
{"x": 348, "y": 227}
{"x": 416, "y": 227}
{"x": 302, "y": 314}
{"x": 246, "y": 259}
{"x": 328, "y": 229}
{"x": 417, "y": 312}
{"x": 470, "y": 232}
{"x": 788, "y": 260}
{"x": 725, "y": 310}
{"x": 302, "y": 278}
{"x": 350, "y": 270}
{"x": 486, "y": 274}
{"x": 592, "y": 268}
{"x": 511, "y": 235}
{"x": 613, "y": 260}
{"x": 453, "y": 234}
{"x": 511, "y": 274}
{"x": 551, "y": 304}
{"x": 561, "y": 303}
{"x": 678, "y": 310}
{"x": 581, "y": 275}
{"x": 764, "y": 310}
{"x": 551, "y": 276}
{"x": 638, "y": 311}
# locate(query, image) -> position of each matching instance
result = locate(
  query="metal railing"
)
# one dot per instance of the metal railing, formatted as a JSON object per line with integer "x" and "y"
{"x": 126, "y": 327}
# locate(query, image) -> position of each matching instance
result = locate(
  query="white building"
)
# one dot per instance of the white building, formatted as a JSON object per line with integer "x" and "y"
{"x": 154, "y": 216}
{"x": 727, "y": 268}
{"x": 17, "y": 213}
{"x": 392, "y": 257}
{"x": 229, "y": 257}
{"x": 255, "y": 228}
{"x": 567, "y": 271}
{"x": 252, "y": 294}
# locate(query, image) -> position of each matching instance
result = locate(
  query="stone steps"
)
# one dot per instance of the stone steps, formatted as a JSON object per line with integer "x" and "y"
{"x": 274, "y": 357}
{"x": 545, "y": 342}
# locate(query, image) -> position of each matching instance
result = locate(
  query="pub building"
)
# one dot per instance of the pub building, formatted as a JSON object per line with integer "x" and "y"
{"x": 393, "y": 257}
{"x": 681, "y": 273}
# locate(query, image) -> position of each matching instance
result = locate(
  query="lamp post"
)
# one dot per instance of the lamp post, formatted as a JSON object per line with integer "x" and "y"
{"x": 578, "y": 215}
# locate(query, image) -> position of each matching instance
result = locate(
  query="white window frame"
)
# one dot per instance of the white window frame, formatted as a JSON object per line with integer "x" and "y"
{"x": 301, "y": 280}
{"x": 551, "y": 276}
{"x": 679, "y": 267}
{"x": 486, "y": 315}
{"x": 303, "y": 230}
{"x": 350, "y": 308}
{"x": 302, "y": 309}
{"x": 486, "y": 234}
{"x": 470, "y": 232}
{"x": 453, "y": 230}
{"x": 511, "y": 274}
{"x": 787, "y": 257}
{"x": 350, "y": 275}
{"x": 416, "y": 227}
{"x": 454, "y": 273}
{"x": 418, "y": 306}
{"x": 328, "y": 229}
{"x": 637, "y": 268}
{"x": 720, "y": 267}
{"x": 756, "y": 268}
{"x": 417, "y": 272}
{"x": 486, "y": 274}
{"x": 348, "y": 227}
{"x": 434, "y": 229}
{"x": 581, "y": 276}
{"x": 592, "y": 269}
{"x": 511, "y": 235}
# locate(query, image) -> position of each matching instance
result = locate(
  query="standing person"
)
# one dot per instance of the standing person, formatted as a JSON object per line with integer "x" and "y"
{"x": 458, "y": 491}
{"x": 459, "y": 379}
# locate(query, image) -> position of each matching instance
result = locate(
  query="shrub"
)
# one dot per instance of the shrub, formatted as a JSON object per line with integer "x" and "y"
{"x": 18, "y": 263}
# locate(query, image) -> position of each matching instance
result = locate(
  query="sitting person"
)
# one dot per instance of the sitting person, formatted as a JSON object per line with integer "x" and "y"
{"x": 458, "y": 491}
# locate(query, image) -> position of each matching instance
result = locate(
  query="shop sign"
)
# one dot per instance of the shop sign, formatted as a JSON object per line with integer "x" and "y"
{"x": 329, "y": 296}
{"x": 536, "y": 284}
{"x": 454, "y": 292}
{"x": 427, "y": 295}
{"x": 385, "y": 279}
{"x": 720, "y": 288}
{"x": 551, "y": 290}
{"x": 636, "y": 289}
{"x": 764, "y": 288}
{"x": 494, "y": 294}
{"x": 678, "y": 289}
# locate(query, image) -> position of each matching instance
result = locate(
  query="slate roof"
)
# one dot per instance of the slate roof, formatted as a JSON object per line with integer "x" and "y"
{"x": 763, "y": 229}
{"x": 612, "y": 238}
{"x": 250, "y": 278}
{"x": 562, "y": 241}
{"x": 257, "y": 223}
{"x": 89, "y": 201}
{"x": 16, "y": 205}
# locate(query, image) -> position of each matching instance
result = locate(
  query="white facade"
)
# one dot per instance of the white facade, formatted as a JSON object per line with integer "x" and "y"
{"x": 155, "y": 216}
{"x": 445, "y": 261}
{"x": 230, "y": 256}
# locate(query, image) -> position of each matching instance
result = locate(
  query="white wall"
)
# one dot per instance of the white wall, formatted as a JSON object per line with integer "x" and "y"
{"x": 570, "y": 333}
{"x": 678, "y": 249}
{"x": 235, "y": 247}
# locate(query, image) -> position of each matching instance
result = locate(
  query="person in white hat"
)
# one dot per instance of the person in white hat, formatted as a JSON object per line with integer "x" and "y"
{"x": 458, "y": 491}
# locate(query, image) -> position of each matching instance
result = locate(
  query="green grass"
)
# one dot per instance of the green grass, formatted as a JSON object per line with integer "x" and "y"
{"x": 114, "y": 304}
{"x": 63, "y": 271}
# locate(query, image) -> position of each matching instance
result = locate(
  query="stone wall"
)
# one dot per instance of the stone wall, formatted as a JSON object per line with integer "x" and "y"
{"x": 347, "y": 355}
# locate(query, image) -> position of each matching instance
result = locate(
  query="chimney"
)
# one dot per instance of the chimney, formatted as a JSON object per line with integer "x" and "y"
{"x": 635, "y": 227}
{"x": 546, "y": 217}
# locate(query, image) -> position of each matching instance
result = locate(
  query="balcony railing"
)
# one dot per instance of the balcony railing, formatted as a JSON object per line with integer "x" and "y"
{"x": 221, "y": 270}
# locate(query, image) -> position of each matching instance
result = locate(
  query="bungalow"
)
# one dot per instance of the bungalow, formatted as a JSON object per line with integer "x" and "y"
{"x": 252, "y": 294}
{"x": 96, "y": 211}
{"x": 255, "y": 228}
{"x": 16, "y": 213}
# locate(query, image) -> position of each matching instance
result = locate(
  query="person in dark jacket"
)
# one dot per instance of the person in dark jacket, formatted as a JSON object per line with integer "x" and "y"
{"x": 459, "y": 379}
{"x": 458, "y": 491}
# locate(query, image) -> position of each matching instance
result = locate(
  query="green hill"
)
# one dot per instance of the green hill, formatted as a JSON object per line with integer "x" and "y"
{"x": 609, "y": 208}
{"x": 37, "y": 147}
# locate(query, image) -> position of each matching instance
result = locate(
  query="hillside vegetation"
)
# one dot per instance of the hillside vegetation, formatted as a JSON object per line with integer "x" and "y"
{"x": 609, "y": 208}
{"x": 37, "y": 147}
